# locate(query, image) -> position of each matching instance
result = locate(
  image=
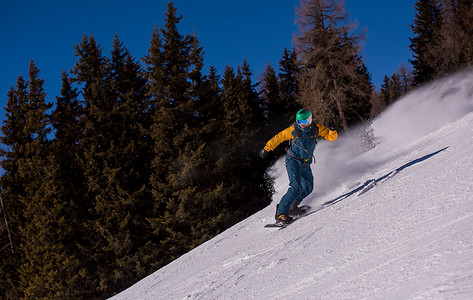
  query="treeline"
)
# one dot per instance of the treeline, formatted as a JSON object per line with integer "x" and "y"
{"x": 139, "y": 161}
{"x": 442, "y": 45}
{"x": 134, "y": 164}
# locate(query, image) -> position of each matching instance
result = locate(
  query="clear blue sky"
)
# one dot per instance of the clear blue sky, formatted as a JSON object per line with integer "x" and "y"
{"x": 229, "y": 31}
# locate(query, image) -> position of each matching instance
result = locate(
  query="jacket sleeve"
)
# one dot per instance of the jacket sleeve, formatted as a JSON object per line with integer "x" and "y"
{"x": 284, "y": 135}
{"x": 326, "y": 133}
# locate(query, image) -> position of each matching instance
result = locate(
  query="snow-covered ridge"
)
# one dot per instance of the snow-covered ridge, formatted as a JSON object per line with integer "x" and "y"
{"x": 396, "y": 223}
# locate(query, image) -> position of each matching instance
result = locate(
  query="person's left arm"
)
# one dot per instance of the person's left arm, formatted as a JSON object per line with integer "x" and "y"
{"x": 329, "y": 135}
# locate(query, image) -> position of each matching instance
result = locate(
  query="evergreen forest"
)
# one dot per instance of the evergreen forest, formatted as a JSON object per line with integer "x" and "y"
{"x": 139, "y": 160}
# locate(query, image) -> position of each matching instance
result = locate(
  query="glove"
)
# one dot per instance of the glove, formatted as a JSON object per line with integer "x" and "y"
{"x": 332, "y": 126}
{"x": 263, "y": 153}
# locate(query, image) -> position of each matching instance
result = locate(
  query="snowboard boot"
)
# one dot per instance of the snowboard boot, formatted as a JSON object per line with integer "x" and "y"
{"x": 295, "y": 210}
{"x": 282, "y": 218}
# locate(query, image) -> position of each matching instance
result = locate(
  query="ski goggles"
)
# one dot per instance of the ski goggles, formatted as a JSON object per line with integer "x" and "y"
{"x": 303, "y": 122}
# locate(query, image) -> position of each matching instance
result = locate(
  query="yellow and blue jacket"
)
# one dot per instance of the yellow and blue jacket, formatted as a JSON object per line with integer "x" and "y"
{"x": 303, "y": 140}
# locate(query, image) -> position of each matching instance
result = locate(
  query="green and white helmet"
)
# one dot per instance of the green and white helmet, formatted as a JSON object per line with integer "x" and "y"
{"x": 304, "y": 117}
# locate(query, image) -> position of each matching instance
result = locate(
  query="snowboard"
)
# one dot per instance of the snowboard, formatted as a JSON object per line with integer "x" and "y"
{"x": 282, "y": 226}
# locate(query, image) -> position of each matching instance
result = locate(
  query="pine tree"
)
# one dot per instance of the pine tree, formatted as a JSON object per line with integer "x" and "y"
{"x": 65, "y": 123}
{"x": 101, "y": 152}
{"x": 13, "y": 187}
{"x": 270, "y": 92}
{"x": 173, "y": 67}
{"x": 453, "y": 51}
{"x": 241, "y": 104}
{"x": 426, "y": 28}
{"x": 385, "y": 91}
{"x": 394, "y": 87}
{"x": 168, "y": 67}
{"x": 464, "y": 22}
{"x": 115, "y": 151}
{"x": 210, "y": 104}
{"x": 391, "y": 90}
{"x": 331, "y": 83}
{"x": 45, "y": 268}
{"x": 255, "y": 103}
{"x": 93, "y": 149}
{"x": 129, "y": 200}
{"x": 360, "y": 104}
{"x": 68, "y": 185}
{"x": 406, "y": 78}
{"x": 289, "y": 72}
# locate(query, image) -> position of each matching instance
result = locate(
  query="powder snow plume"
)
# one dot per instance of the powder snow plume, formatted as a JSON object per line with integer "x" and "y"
{"x": 347, "y": 163}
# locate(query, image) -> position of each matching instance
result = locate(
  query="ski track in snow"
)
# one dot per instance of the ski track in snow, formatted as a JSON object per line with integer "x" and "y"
{"x": 399, "y": 224}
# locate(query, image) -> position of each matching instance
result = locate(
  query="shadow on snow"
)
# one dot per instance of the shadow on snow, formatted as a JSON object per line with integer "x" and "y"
{"x": 373, "y": 182}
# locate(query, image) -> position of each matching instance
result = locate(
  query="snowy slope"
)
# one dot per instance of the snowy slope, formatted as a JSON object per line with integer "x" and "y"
{"x": 396, "y": 223}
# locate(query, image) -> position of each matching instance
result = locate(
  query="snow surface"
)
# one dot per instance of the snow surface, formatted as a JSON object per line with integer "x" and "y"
{"x": 395, "y": 221}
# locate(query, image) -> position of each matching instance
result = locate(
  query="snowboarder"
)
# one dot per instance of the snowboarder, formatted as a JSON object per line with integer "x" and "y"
{"x": 303, "y": 136}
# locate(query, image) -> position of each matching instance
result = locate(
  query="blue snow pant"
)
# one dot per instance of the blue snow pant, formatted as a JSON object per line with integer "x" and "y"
{"x": 301, "y": 184}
